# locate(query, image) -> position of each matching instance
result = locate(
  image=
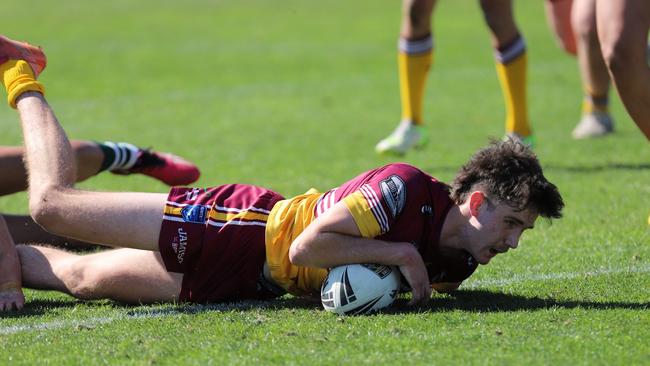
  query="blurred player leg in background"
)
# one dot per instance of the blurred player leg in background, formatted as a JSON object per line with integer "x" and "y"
{"x": 596, "y": 119}
{"x": 623, "y": 34}
{"x": 511, "y": 64}
{"x": 558, "y": 15}
{"x": 415, "y": 55}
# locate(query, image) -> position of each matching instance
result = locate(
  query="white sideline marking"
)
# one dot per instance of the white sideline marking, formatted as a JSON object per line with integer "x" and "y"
{"x": 131, "y": 315}
{"x": 164, "y": 312}
{"x": 553, "y": 276}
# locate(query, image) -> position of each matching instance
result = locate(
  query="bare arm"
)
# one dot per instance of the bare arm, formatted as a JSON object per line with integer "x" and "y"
{"x": 334, "y": 239}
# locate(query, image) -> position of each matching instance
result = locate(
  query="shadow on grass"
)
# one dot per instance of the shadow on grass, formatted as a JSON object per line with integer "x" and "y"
{"x": 486, "y": 301}
{"x": 464, "y": 300}
{"x": 40, "y": 307}
{"x": 247, "y": 305}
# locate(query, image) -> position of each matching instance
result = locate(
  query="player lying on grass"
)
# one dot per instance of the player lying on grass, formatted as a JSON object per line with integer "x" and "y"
{"x": 236, "y": 242}
{"x": 91, "y": 158}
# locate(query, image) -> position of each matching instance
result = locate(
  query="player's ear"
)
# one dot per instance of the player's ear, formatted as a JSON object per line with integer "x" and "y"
{"x": 476, "y": 199}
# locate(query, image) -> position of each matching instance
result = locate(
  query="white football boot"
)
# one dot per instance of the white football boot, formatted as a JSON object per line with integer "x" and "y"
{"x": 407, "y": 135}
{"x": 594, "y": 124}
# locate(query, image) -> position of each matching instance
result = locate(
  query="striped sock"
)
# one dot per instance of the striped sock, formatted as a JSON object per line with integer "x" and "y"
{"x": 118, "y": 155}
{"x": 511, "y": 68}
{"x": 414, "y": 61}
{"x": 594, "y": 103}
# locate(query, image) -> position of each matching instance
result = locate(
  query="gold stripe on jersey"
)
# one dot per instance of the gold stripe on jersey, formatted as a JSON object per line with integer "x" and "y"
{"x": 217, "y": 215}
{"x": 287, "y": 220}
{"x": 242, "y": 215}
{"x": 173, "y": 210}
{"x": 363, "y": 215}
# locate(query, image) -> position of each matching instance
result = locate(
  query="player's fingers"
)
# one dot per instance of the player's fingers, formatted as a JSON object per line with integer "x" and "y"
{"x": 415, "y": 296}
{"x": 420, "y": 295}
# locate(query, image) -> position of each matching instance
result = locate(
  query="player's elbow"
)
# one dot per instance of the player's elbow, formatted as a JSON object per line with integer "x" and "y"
{"x": 43, "y": 207}
{"x": 301, "y": 251}
{"x": 298, "y": 256}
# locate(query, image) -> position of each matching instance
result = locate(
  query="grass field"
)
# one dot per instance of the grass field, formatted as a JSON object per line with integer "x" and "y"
{"x": 295, "y": 94}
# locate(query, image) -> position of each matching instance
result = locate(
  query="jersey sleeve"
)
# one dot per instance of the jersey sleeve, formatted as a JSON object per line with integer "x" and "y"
{"x": 382, "y": 198}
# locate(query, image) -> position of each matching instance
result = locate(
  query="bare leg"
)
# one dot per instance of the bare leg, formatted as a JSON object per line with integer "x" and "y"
{"x": 88, "y": 156}
{"x": 558, "y": 14}
{"x": 500, "y": 19}
{"x": 127, "y": 275}
{"x": 23, "y": 229}
{"x": 114, "y": 219}
{"x": 416, "y": 18}
{"x": 414, "y": 60}
{"x": 511, "y": 64}
{"x": 623, "y": 33}
{"x": 593, "y": 70}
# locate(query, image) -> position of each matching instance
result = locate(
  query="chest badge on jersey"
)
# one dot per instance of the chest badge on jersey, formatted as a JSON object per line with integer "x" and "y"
{"x": 393, "y": 190}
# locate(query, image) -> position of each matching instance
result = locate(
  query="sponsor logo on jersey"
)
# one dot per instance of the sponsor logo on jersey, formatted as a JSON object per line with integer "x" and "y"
{"x": 195, "y": 213}
{"x": 179, "y": 244}
{"x": 393, "y": 190}
{"x": 426, "y": 210}
{"x": 193, "y": 194}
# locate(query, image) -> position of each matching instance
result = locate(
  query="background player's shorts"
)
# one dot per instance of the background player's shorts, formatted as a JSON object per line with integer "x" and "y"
{"x": 215, "y": 237}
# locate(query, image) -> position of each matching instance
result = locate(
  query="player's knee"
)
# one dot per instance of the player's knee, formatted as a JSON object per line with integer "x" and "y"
{"x": 584, "y": 27}
{"x": 617, "y": 54}
{"x": 419, "y": 15}
{"x": 82, "y": 282}
{"x": 497, "y": 18}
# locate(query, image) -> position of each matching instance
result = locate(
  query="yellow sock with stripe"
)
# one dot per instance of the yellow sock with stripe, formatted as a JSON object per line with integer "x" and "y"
{"x": 511, "y": 68}
{"x": 18, "y": 78}
{"x": 414, "y": 61}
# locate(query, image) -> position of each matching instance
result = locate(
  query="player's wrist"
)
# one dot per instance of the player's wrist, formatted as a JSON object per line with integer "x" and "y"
{"x": 407, "y": 255}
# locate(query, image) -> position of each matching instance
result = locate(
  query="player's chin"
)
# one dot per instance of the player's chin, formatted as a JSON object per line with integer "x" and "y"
{"x": 485, "y": 259}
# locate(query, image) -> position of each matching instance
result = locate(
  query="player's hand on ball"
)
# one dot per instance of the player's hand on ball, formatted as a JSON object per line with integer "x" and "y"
{"x": 416, "y": 275}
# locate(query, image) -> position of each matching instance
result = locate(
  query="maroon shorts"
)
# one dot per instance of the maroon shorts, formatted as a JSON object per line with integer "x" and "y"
{"x": 215, "y": 237}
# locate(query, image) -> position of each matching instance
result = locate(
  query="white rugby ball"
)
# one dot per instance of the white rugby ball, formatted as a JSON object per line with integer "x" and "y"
{"x": 356, "y": 289}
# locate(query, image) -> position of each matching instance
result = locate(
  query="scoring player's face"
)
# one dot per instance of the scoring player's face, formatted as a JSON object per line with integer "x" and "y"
{"x": 496, "y": 228}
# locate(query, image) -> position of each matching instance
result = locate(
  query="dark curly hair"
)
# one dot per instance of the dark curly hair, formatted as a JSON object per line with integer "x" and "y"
{"x": 508, "y": 172}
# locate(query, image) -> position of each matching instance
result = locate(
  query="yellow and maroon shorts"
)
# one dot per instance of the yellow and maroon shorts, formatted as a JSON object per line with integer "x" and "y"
{"x": 215, "y": 237}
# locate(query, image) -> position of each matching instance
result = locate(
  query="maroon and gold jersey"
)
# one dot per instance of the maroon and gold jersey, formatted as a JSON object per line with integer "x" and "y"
{"x": 396, "y": 202}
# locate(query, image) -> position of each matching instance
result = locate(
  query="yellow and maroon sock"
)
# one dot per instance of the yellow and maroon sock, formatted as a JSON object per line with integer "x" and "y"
{"x": 18, "y": 78}
{"x": 414, "y": 61}
{"x": 511, "y": 68}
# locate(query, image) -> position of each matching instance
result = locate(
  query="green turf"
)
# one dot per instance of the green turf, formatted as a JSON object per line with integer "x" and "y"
{"x": 295, "y": 94}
